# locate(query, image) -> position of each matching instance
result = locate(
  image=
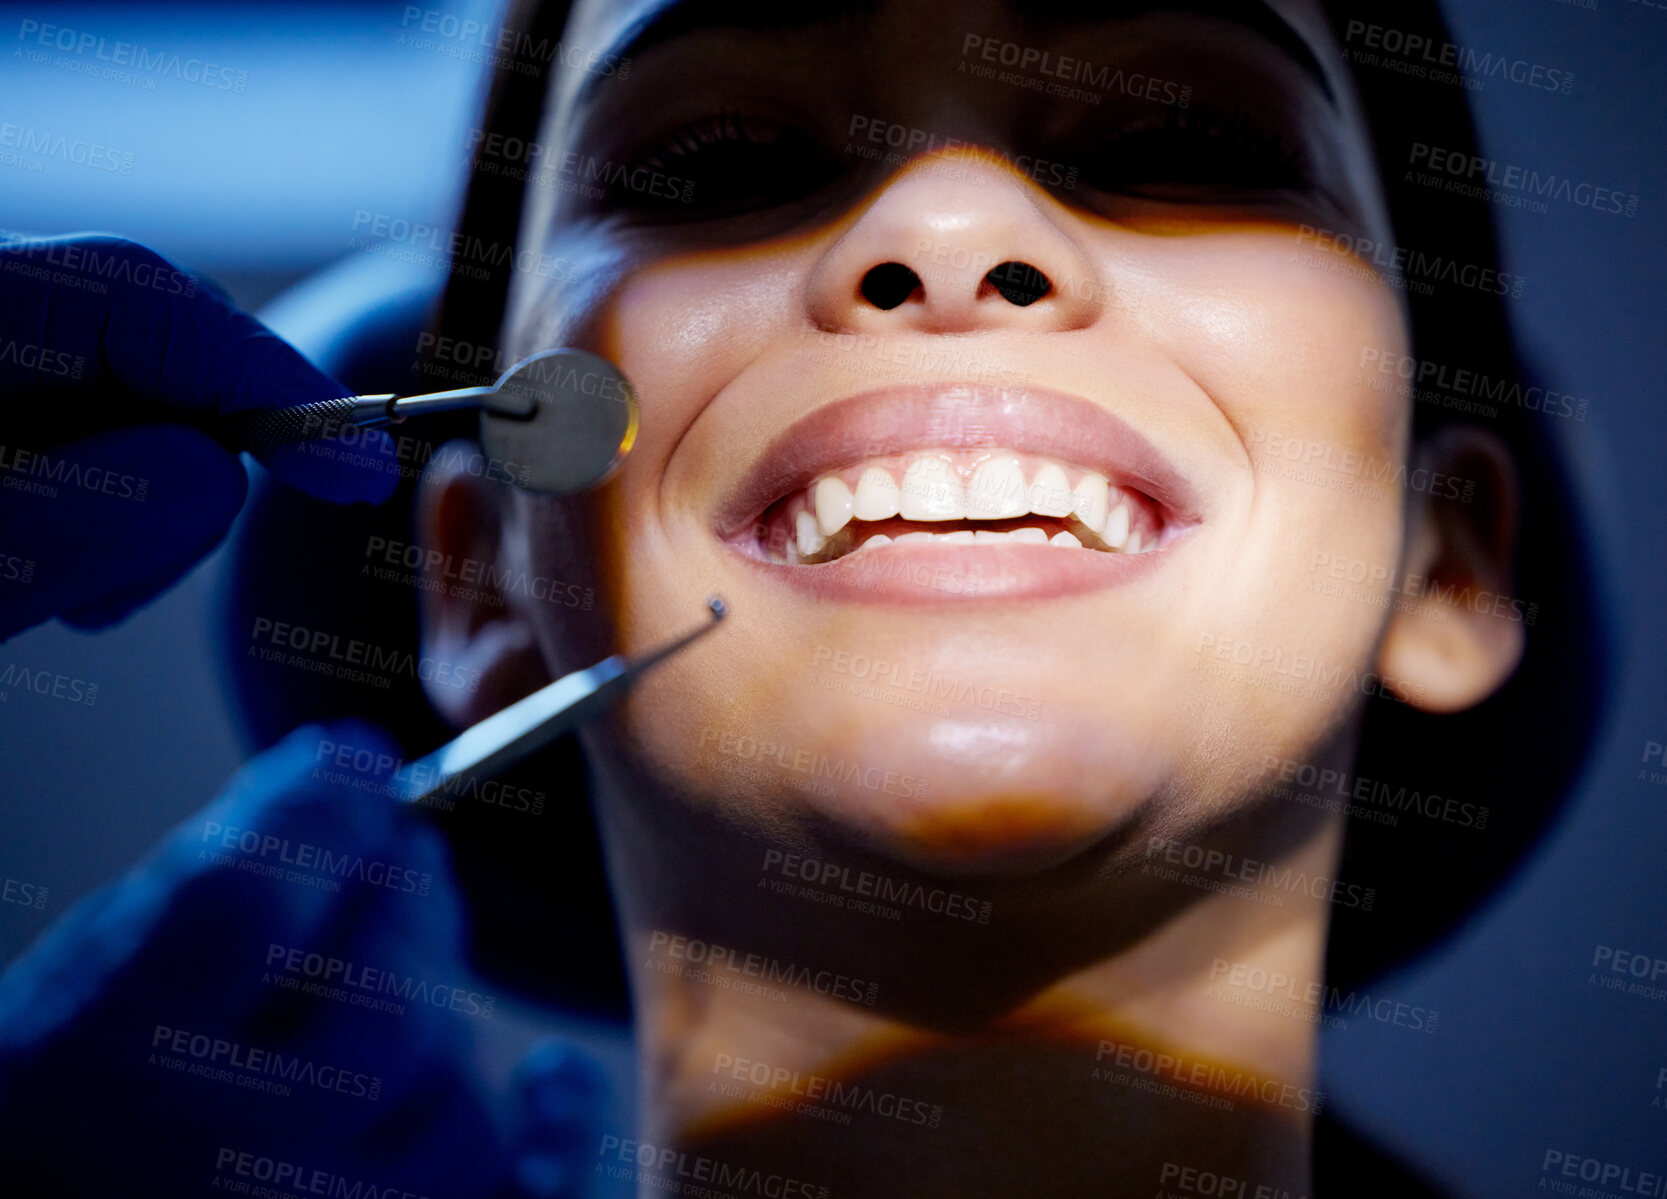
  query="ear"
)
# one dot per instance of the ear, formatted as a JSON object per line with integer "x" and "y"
{"x": 467, "y": 524}
{"x": 1458, "y": 630}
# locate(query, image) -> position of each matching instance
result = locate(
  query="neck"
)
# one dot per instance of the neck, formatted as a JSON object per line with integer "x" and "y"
{"x": 845, "y": 1023}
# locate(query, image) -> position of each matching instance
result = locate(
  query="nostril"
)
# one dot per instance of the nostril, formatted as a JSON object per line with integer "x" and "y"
{"x": 889, "y": 284}
{"x": 1018, "y": 282}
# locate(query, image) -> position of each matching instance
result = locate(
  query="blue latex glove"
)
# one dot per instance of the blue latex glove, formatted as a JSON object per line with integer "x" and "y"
{"x": 92, "y": 528}
{"x": 131, "y": 1032}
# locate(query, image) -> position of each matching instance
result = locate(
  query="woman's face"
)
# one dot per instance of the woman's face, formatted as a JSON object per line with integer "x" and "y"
{"x": 782, "y": 222}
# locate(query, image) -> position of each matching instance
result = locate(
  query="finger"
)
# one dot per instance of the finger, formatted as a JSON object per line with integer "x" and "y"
{"x": 356, "y": 464}
{"x": 93, "y": 311}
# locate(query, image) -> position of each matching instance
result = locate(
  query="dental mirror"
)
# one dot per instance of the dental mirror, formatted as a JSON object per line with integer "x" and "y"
{"x": 560, "y": 421}
{"x": 564, "y": 421}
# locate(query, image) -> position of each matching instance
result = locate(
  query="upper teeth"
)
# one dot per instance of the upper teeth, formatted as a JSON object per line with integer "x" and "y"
{"x": 941, "y": 485}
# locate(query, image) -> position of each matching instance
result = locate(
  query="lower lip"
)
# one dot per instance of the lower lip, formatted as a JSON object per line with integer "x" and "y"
{"x": 955, "y": 574}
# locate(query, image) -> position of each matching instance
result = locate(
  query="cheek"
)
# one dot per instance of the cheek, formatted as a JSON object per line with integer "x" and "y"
{"x": 680, "y": 329}
{"x": 1279, "y": 338}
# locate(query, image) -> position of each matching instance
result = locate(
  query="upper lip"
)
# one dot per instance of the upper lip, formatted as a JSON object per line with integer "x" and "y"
{"x": 893, "y": 420}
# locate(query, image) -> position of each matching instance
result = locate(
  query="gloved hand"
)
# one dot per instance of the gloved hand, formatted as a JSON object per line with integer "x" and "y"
{"x": 92, "y": 527}
{"x": 278, "y": 986}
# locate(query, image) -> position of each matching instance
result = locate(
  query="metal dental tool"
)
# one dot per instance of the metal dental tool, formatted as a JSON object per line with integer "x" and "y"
{"x": 562, "y": 420}
{"x": 530, "y": 724}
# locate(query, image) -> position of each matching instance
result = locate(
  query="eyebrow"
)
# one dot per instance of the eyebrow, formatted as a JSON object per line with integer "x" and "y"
{"x": 676, "y": 18}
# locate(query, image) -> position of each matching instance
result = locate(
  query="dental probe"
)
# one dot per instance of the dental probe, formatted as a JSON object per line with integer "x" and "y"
{"x": 530, "y": 724}
{"x": 562, "y": 420}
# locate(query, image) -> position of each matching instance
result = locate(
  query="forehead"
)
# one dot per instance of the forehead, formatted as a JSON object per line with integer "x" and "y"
{"x": 903, "y": 29}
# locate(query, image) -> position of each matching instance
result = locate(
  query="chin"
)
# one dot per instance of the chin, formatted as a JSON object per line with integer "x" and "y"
{"x": 962, "y": 789}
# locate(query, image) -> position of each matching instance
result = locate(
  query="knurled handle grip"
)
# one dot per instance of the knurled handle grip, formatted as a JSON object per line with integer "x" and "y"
{"x": 287, "y": 426}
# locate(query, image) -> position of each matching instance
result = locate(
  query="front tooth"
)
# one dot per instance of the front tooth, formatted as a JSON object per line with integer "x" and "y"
{"x": 1068, "y": 540}
{"x": 932, "y": 489}
{"x": 809, "y": 536}
{"x": 1133, "y": 546}
{"x": 959, "y": 537}
{"x": 875, "y": 541}
{"x": 1117, "y": 525}
{"x": 1050, "y": 493}
{"x": 914, "y": 538}
{"x": 1090, "y": 499}
{"x": 997, "y": 490}
{"x": 1030, "y": 536}
{"x": 877, "y": 495}
{"x": 991, "y": 537}
{"x": 834, "y": 504}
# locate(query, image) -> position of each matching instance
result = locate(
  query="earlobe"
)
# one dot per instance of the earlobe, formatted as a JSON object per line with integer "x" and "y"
{"x": 1457, "y": 629}
{"x": 477, "y": 633}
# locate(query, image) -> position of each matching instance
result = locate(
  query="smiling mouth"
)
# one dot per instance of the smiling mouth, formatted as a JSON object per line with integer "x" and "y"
{"x": 1032, "y": 492}
{"x": 988, "y": 496}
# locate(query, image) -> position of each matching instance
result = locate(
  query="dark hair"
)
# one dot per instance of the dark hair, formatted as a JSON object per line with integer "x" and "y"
{"x": 1515, "y": 754}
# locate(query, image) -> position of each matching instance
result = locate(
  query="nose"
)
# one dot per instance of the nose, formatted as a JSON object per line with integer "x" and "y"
{"x": 955, "y": 244}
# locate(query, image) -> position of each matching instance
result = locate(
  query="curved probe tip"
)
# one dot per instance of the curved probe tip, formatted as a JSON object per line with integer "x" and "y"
{"x": 717, "y": 607}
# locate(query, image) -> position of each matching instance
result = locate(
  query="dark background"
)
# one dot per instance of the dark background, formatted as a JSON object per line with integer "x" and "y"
{"x": 257, "y": 190}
